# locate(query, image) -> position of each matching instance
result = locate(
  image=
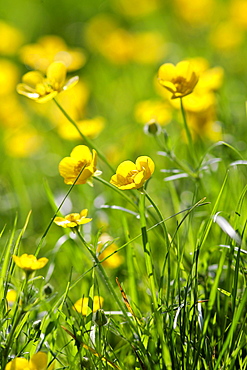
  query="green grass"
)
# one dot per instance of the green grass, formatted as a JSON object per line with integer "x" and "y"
{"x": 178, "y": 298}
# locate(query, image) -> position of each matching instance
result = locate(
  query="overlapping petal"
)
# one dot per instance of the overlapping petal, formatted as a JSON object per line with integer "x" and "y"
{"x": 73, "y": 219}
{"x": 180, "y": 80}
{"x": 131, "y": 175}
{"x": 81, "y": 159}
{"x": 42, "y": 89}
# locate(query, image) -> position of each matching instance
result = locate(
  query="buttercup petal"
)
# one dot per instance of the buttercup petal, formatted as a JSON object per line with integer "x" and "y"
{"x": 38, "y": 361}
{"x": 56, "y": 74}
{"x": 81, "y": 152}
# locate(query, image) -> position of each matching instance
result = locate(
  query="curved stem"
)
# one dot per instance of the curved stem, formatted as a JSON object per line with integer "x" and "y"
{"x": 86, "y": 139}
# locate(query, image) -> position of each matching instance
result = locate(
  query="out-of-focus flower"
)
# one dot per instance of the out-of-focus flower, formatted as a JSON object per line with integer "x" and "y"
{"x": 116, "y": 259}
{"x": 22, "y": 142}
{"x": 180, "y": 80}
{"x": 38, "y": 361}
{"x": 81, "y": 305}
{"x": 149, "y": 47}
{"x": 35, "y": 86}
{"x": 80, "y": 157}
{"x": 131, "y": 175}
{"x": 12, "y": 113}
{"x": 11, "y": 297}
{"x": 137, "y": 8}
{"x": 11, "y": 39}
{"x": 148, "y": 110}
{"x": 89, "y": 127}
{"x": 73, "y": 219}
{"x": 226, "y": 36}
{"x": 9, "y": 76}
{"x": 118, "y": 46}
{"x": 238, "y": 13}
{"x": 210, "y": 79}
{"x": 105, "y": 35}
{"x": 196, "y": 12}
{"x": 29, "y": 263}
{"x": 48, "y": 49}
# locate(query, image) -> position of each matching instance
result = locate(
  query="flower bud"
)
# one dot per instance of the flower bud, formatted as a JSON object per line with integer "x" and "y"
{"x": 152, "y": 128}
{"x": 100, "y": 317}
{"x": 48, "y": 289}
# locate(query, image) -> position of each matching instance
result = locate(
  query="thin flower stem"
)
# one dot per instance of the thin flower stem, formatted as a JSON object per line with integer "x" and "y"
{"x": 86, "y": 139}
{"x": 147, "y": 250}
{"x": 187, "y": 130}
{"x": 103, "y": 273}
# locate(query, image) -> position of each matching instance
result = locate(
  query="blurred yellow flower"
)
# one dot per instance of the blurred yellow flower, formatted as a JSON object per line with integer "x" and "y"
{"x": 226, "y": 36}
{"x": 148, "y": 47}
{"x": 131, "y": 175}
{"x": 238, "y": 13}
{"x": 73, "y": 219}
{"x": 196, "y": 12}
{"x": 11, "y": 39}
{"x": 38, "y": 361}
{"x": 28, "y": 262}
{"x": 80, "y": 157}
{"x": 22, "y": 142}
{"x": 149, "y": 110}
{"x": 9, "y": 76}
{"x": 180, "y": 80}
{"x": 89, "y": 127}
{"x": 116, "y": 259}
{"x": 81, "y": 305}
{"x": 35, "y": 86}
{"x": 11, "y": 297}
{"x": 48, "y": 49}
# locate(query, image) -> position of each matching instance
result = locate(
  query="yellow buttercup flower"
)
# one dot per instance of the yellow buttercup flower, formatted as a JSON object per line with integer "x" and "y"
{"x": 80, "y": 157}
{"x": 29, "y": 263}
{"x": 131, "y": 175}
{"x": 42, "y": 89}
{"x": 73, "y": 219}
{"x": 180, "y": 80}
{"x": 81, "y": 305}
{"x": 38, "y": 361}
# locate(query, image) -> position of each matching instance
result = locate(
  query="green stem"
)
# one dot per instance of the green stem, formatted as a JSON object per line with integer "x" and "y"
{"x": 86, "y": 139}
{"x": 103, "y": 274}
{"x": 187, "y": 130}
{"x": 147, "y": 250}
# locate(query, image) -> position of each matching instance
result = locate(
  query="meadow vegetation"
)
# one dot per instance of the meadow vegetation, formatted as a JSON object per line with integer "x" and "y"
{"x": 123, "y": 185}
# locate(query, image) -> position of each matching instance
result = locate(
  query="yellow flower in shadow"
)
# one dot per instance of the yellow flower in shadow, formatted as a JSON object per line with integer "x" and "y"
{"x": 80, "y": 159}
{"x": 81, "y": 305}
{"x": 42, "y": 89}
{"x": 105, "y": 247}
{"x": 38, "y": 361}
{"x": 29, "y": 263}
{"x": 73, "y": 219}
{"x": 131, "y": 175}
{"x": 180, "y": 80}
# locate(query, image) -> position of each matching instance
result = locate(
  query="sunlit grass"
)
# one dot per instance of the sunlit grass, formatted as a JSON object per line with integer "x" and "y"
{"x": 123, "y": 244}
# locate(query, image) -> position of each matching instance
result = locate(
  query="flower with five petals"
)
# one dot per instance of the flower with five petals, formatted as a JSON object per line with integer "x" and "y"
{"x": 180, "y": 80}
{"x": 42, "y": 89}
{"x": 131, "y": 175}
{"x": 73, "y": 219}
